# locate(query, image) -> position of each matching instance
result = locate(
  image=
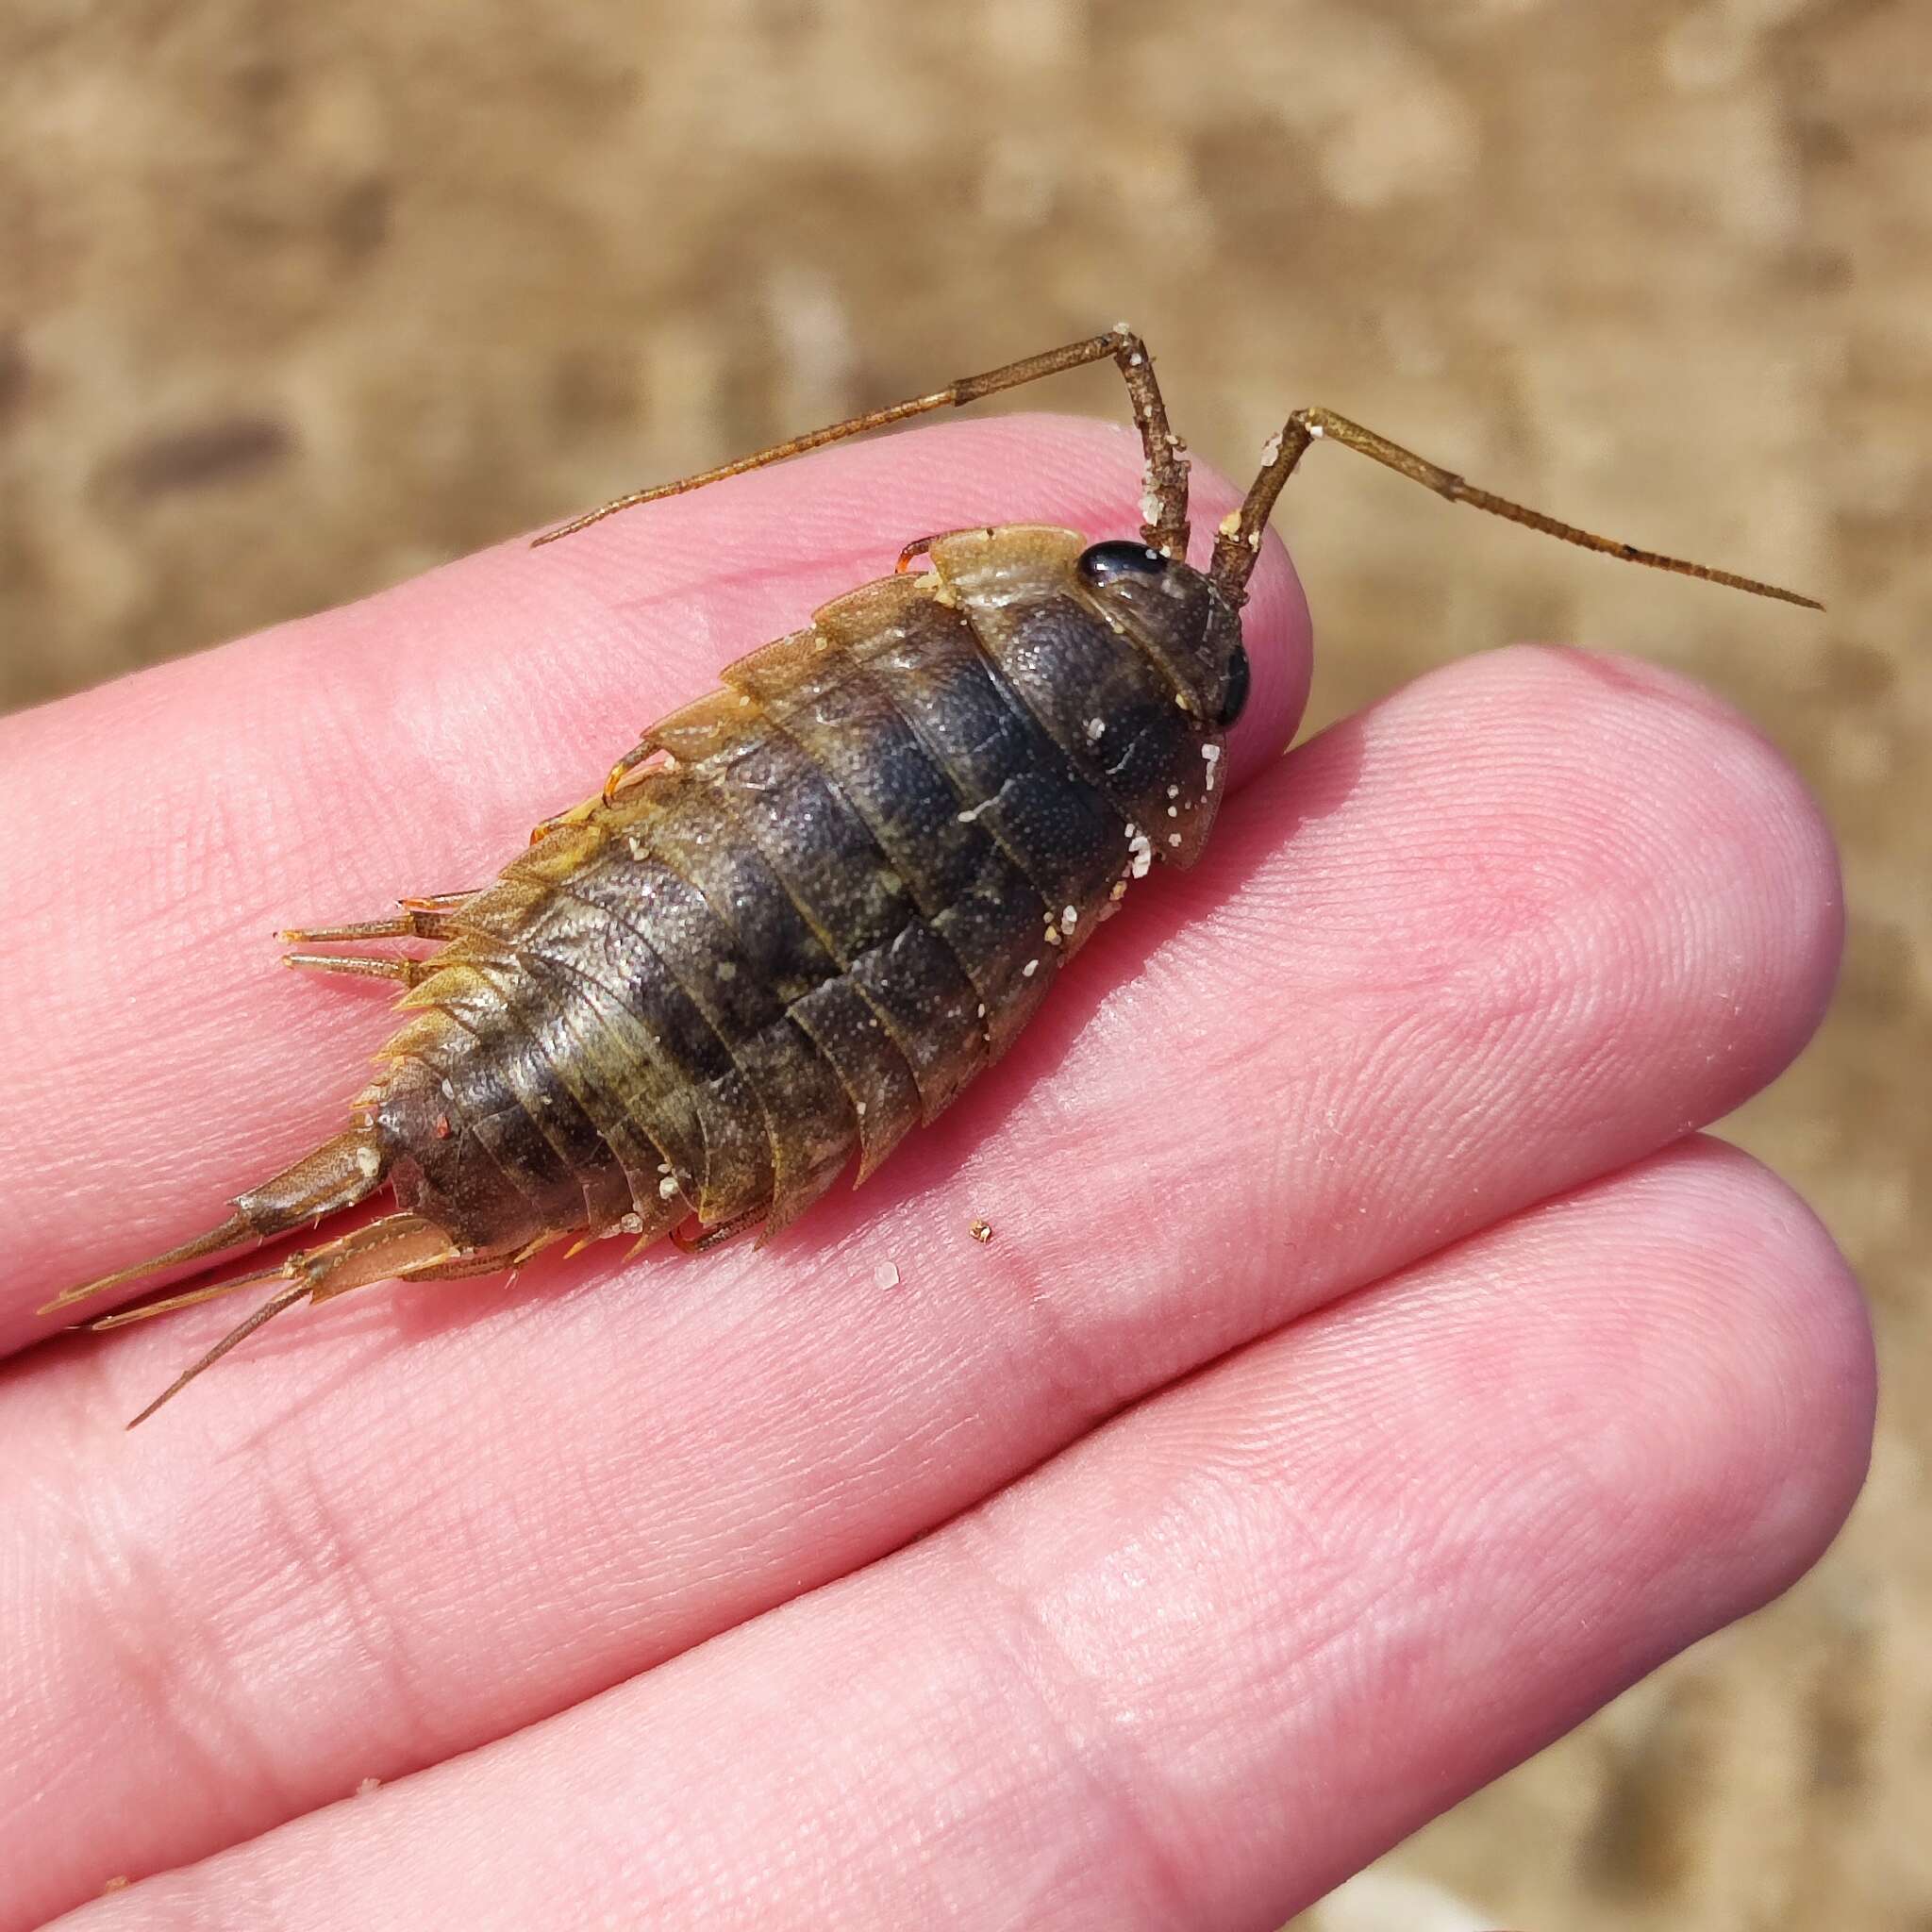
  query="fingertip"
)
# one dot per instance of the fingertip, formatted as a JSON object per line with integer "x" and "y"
{"x": 1737, "y": 1351}
{"x": 1762, "y": 786}
{"x": 1790, "y": 1355}
{"x": 1761, "y": 828}
{"x": 1633, "y": 789}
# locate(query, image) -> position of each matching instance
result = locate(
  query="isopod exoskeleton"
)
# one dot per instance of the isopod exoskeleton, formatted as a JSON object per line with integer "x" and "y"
{"x": 807, "y": 910}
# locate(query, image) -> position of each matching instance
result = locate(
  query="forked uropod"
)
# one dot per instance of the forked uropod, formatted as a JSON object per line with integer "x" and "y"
{"x": 807, "y": 910}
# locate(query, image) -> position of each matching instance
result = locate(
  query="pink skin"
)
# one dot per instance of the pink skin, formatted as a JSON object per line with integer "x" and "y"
{"x": 1469, "y": 968}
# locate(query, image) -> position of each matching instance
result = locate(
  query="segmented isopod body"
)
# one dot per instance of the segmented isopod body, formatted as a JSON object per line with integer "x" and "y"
{"x": 835, "y": 890}
{"x": 809, "y": 909}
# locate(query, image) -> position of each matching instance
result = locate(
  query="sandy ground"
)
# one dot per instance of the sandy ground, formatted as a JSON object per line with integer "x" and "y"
{"x": 296, "y": 301}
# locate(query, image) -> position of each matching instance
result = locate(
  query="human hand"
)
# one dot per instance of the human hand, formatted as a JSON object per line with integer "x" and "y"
{"x": 1366, "y": 1379}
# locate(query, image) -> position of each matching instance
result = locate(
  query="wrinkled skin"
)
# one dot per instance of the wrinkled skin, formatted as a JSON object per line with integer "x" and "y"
{"x": 1507, "y": 1389}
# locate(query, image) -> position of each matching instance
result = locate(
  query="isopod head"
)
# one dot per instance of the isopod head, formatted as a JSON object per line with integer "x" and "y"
{"x": 1176, "y": 616}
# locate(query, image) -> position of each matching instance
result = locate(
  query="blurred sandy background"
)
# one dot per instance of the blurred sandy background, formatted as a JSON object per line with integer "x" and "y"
{"x": 294, "y": 301}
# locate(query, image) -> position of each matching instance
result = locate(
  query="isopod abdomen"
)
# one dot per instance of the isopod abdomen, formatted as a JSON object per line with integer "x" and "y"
{"x": 807, "y": 910}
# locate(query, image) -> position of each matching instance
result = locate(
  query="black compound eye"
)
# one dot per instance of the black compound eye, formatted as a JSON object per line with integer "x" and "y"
{"x": 1236, "y": 698}
{"x": 1106, "y": 561}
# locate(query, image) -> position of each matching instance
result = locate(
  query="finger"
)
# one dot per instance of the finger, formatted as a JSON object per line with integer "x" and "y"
{"x": 1447, "y": 961}
{"x": 1202, "y": 1666}
{"x": 158, "y": 1057}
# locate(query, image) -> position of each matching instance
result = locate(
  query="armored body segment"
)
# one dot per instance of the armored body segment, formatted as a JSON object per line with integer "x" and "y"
{"x": 481, "y": 1053}
{"x": 464, "y": 1178}
{"x": 792, "y": 1081}
{"x": 917, "y": 987}
{"x": 604, "y": 1078}
{"x": 684, "y": 825}
{"x": 542, "y": 1074}
{"x": 830, "y": 864}
{"x": 563, "y": 941}
{"x": 834, "y": 871}
{"x": 978, "y": 902}
{"x": 843, "y": 1025}
{"x": 848, "y": 724}
{"x": 1058, "y": 832}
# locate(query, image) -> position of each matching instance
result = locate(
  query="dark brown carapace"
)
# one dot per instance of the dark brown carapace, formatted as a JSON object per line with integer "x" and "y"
{"x": 807, "y": 910}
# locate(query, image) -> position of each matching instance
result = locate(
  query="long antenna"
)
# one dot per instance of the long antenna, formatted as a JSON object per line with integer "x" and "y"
{"x": 1240, "y": 539}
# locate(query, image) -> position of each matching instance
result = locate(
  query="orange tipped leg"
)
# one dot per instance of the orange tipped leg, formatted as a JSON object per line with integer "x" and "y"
{"x": 693, "y": 1237}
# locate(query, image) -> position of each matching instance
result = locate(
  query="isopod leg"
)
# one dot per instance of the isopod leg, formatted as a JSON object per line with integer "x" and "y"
{"x": 920, "y": 545}
{"x": 641, "y": 759}
{"x": 1165, "y": 486}
{"x": 392, "y": 1248}
{"x": 700, "y": 1241}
